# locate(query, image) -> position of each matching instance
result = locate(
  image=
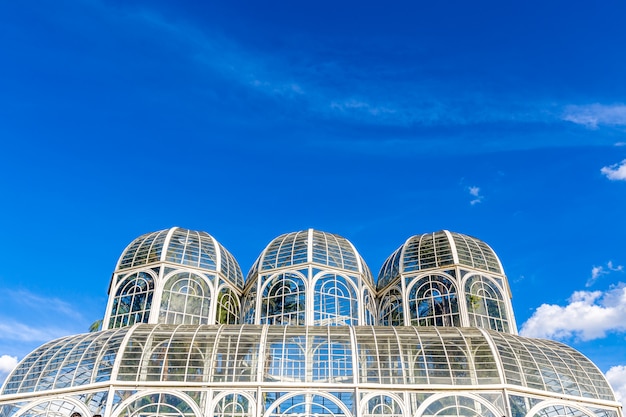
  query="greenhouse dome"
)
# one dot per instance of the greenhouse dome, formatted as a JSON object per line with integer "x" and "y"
{"x": 309, "y": 268}
{"x": 445, "y": 279}
{"x": 175, "y": 276}
{"x": 308, "y": 335}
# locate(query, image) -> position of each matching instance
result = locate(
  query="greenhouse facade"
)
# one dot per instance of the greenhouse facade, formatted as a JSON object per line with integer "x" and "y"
{"x": 309, "y": 332}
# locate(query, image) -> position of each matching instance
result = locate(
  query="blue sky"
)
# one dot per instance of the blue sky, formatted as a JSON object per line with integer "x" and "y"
{"x": 373, "y": 121}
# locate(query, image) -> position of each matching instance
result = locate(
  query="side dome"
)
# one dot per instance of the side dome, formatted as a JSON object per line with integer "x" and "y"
{"x": 309, "y": 267}
{"x": 174, "y": 276}
{"x": 445, "y": 279}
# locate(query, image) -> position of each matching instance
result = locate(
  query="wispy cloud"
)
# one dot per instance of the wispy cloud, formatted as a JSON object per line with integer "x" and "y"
{"x": 617, "y": 378}
{"x": 343, "y": 90}
{"x": 360, "y": 105}
{"x": 594, "y": 115}
{"x": 615, "y": 172}
{"x": 7, "y": 364}
{"x": 36, "y": 319}
{"x": 598, "y": 271}
{"x": 475, "y": 192}
{"x": 308, "y": 80}
{"x": 58, "y": 306}
{"x": 13, "y": 330}
{"x": 589, "y": 315}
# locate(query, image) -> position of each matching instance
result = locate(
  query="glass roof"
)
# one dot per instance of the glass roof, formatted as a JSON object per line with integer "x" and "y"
{"x": 414, "y": 357}
{"x": 438, "y": 250}
{"x": 311, "y": 246}
{"x": 181, "y": 246}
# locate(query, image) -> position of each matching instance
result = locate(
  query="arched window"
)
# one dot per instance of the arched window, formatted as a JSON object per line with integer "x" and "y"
{"x": 132, "y": 301}
{"x": 382, "y": 405}
{"x": 433, "y": 302}
{"x": 234, "y": 405}
{"x": 227, "y": 307}
{"x": 485, "y": 304}
{"x": 560, "y": 411}
{"x": 283, "y": 300}
{"x": 461, "y": 406}
{"x": 309, "y": 405}
{"x": 186, "y": 300}
{"x": 392, "y": 308}
{"x": 158, "y": 404}
{"x": 57, "y": 408}
{"x": 335, "y": 302}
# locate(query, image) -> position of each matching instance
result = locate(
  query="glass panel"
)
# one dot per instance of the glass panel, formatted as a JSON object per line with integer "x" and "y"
{"x": 159, "y": 405}
{"x": 390, "y": 269}
{"x": 456, "y": 405}
{"x": 392, "y": 308}
{"x": 485, "y": 304}
{"x": 433, "y": 302}
{"x": 58, "y": 408}
{"x": 133, "y": 300}
{"x": 236, "y": 354}
{"x": 285, "y": 355}
{"x": 228, "y": 308}
{"x": 234, "y": 405}
{"x": 382, "y": 405}
{"x": 331, "y": 355}
{"x": 283, "y": 300}
{"x": 561, "y": 411}
{"x": 335, "y": 302}
{"x": 186, "y": 300}
{"x": 311, "y": 405}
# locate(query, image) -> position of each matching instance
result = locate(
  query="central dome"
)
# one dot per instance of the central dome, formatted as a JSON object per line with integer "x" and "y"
{"x": 309, "y": 268}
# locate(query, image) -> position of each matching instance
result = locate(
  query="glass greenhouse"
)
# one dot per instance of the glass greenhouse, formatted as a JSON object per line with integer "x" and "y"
{"x": 308, "y": 333}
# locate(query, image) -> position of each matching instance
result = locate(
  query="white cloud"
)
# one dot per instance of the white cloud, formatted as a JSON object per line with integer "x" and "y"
{"x": 7, "y": 364}
{"x": 615, "y": 172}
{"x": 475, "y": 192}
{"x": 594, "y": 115}
{"x": 617, "y": 378}
{"x": 589, "y": 315}
{"x": 598, "y": 271}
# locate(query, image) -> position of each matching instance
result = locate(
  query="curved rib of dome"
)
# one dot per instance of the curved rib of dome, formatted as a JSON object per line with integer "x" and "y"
{"x": 203, "y": 356}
